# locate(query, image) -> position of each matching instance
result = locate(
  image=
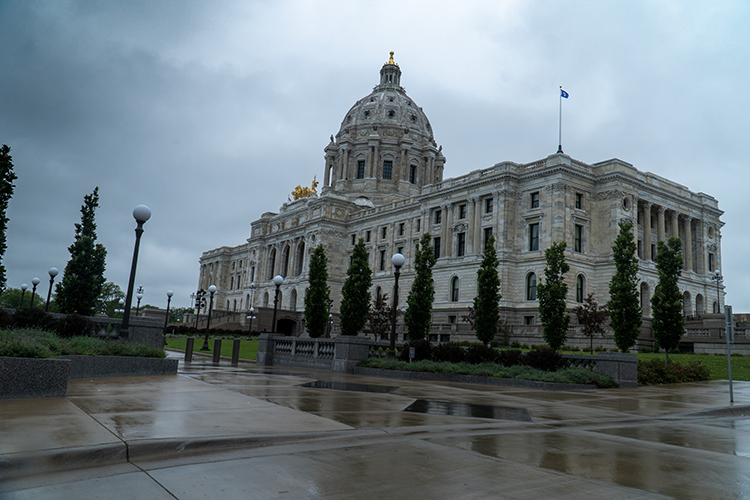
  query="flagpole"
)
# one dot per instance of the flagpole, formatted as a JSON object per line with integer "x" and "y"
{"x": 559, "y": 127}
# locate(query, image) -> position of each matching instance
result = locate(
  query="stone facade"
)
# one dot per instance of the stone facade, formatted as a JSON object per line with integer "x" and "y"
{"x": 383, "y": 182}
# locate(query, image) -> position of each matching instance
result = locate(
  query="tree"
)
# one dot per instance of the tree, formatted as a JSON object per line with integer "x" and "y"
{"x": 592, "y": 317}
{"x": 11, "y": 299}
{"x": 624, "y": 301}
{"x": 418, "y": 315}
{"x": 81, "y": 286}
{"x": 7, "y": 176}
{"x": 380, "y": 317}
{"x": 317, "y": 296}
{"x": 668, "y": 323}
{"x": 109, "y": 300}
{"x": 177, "y": 313}
{"x": 552, "y": 294}
{"x": 355, "y": 294}
{"x": 486, "y": 303}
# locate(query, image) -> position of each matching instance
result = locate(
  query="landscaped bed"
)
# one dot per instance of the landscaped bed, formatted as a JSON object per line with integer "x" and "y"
{"x": 30, "y": 343}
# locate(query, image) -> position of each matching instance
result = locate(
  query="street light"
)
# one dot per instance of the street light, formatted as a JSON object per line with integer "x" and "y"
{"x": 141, "y": 214}
{"x": 34, "y": 282}
{"x": 250, "y": 317}
{"x": 166, "y": 318}
{"x": 200, "y": 302}
{"x": 397, "y": 260}
{"x": 212, "y": 290}
{"x": 138, "y": 296}
{"x": 52, "y": 273}
{"x": 330, "y": 325}
{"x": 277, "y": 280}
{"x": 718, "y": 278}
{"x": 25, "y": 287}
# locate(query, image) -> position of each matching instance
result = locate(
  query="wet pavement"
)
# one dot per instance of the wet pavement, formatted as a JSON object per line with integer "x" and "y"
{"x": 263, "y": 433}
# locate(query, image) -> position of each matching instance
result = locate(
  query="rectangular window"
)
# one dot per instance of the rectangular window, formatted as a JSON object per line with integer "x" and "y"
{"x": 488, "y": 206}
{"x": 653, "y": 251}
{"x": 452, "y": 320}
{"x": 578, "y": 239}
{"x": 711, "y": 266}
{"x": 640, "y": 249}
{"x": 351, "y": 260}
{"x": 462, "y": 211}
{"x": 401, "y": 229}
{"x": 384, "y": 233}
{"x": 400, "y": 250}
{"x": 387, "y": 169}
{"x": 461, "y": 246}
{"x": 252, "y": 274}
{"x": 534, "y": 200}
{"x": 487, "y": 234}
{"x": 528, "y": 320}
{"x": 412, "y": 174}
{"x": 579, "y": 201}
{"x": 353, "y": 239}
{"x": 419, "y": 225}
{"x": 533, "y": 237}
{"x": 436, "y": 245}
{"x": 438, "y": 216}
{"x": 361, "y": 169}
{"x": 382, "y": 260}
{"x": 367, "y": 239}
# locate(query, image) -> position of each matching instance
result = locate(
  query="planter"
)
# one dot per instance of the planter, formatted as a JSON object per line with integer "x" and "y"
{"x": 119, "y": 366}
{"x": 33, "y": 377}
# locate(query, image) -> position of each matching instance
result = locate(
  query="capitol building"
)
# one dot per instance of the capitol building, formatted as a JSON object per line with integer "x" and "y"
{"x": 383, "y": 182}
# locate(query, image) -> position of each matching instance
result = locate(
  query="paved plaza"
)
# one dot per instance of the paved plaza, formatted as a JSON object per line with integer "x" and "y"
{"x": 279, "y": 433}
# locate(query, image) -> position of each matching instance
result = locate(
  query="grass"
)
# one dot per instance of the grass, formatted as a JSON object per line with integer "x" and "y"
{"x": 717, "y": 364}
{"x": 30, "y": 343}
{"x": 248, "y": 348}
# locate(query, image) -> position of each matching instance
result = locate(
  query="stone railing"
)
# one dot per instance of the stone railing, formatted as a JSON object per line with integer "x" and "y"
{"x": 622, "y": 367}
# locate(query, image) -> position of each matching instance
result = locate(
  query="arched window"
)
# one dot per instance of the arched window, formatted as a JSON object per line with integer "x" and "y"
{"x": 645, "y": 300}
{"x": 454, "y": 289}
{"x": 531, "y": 286}
{"x": 580, "y": 288}
{"x": 687, "y": 304}
{"x": 285, "y": 261}
{"x": 700, "y": 308}
{"x": 227, "y": 305}
{"x": 265, "y": 299}
{"x": 378, "y": 293}
{"x": 271, "y": 263}
{"x": 231, "y": 283}
{"x": 281, "y": 298}
{"x": 293, "y": 300}
{"x": 716, "y": 307}
{"x": 299, "y": 260}
{"x": 234, "y": 306}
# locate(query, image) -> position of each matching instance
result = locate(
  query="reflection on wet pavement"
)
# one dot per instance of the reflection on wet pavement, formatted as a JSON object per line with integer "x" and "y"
{"x": 347, "y": 386}
{"x": 469, "y": 410}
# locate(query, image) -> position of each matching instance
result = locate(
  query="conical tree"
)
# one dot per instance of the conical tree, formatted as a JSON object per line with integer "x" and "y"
{"x": 355, "y": 294}
{"x": 486, "y": 303}
{"x": 317, "y": 296}
{"x": 7, "y": 176}
{"x": 552, "y": 294}
{"x": 418, "y": 315}
{"x": 624, "y": 301}
{"x": 668, "y": 322}
{"x": 81, "y": 286}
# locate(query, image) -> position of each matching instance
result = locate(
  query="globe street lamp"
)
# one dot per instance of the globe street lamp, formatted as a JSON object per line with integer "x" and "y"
{"x": 250, "y": 317}
{"x": 718, "y": 278}
{"x": 166, "y": 317}
{"x": 212, "y": 290}
{"x": 397, "y": 260}
{"x": 277, "y": 280}
{"x": 24, "y": 287}
{"x": 34, "y": 282}
{"x": 138, "y": 296}
{"x": 141, "y": 214}
{"x": 52, "y": 273}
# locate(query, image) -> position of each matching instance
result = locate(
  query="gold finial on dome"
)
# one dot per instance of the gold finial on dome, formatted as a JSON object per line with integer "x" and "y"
{"x": 390, "y": 61}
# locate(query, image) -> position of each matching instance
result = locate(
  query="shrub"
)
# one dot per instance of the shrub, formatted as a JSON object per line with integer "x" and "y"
{"x": 600, "y": 348}
{"x": 72, "y": 325}
{"x": 450, "y": 352}
{"x": 6, "y": 319}
{"x": 32, "y": 318}
{"x": 545, "y": 359}
{"x": 515, "y": 344}
{"x": 656, "y": 371}
{"x": 18, "y": 344}
{"x": 511, "y": 357}
{"x": 480, "y": 353}
{"x": 421, "y": 347}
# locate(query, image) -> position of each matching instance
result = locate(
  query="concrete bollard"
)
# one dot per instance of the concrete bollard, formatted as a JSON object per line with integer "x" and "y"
{"x": 217, "y": 351}
{"x": 236, "y": 352}
{"x": 189, "y": 350}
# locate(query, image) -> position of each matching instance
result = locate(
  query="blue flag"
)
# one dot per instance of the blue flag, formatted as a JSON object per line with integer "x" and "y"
{"x": 563, "y": 94}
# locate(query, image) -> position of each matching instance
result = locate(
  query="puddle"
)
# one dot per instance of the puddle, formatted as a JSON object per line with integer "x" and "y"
{"x": 469, "y": 410}
{"x": 345, "y": 386}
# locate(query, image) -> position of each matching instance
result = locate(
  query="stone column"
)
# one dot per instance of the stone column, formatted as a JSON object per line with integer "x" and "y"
{"x": 329, "y": 164}
{"x": 660, "y": 230}
{"x": 449, "y": 230}
{"x": 470, "y": 245}
{"x": 647, "y": 231}
{"x": 345, "y": 167}
{"x": 675, "y": 224}
{"x": 688, "y": 244}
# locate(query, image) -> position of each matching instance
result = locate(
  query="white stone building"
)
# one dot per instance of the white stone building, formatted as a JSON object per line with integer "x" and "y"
{"x": 383, "y": 182}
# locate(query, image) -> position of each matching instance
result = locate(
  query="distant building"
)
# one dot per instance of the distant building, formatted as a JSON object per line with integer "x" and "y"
{"x": 383, "y": 182}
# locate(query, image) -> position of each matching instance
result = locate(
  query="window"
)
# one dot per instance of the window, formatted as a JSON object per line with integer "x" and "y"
{"x": 367, "y": 237}
{"x": 533, "y": 237}
{"x": 640, "y": 249}
{"x": 252, "y": 274}
{"x": 578, "y": 239}
{"x": 353, "y": 238}
{"x": 351, "y": 260}
{"x": 419, "y": 225}
{"x": 711, "y": 266}
{"x": 382, "y": 260}
{"x": 461, "y": 245}
{"x": 231, "y": 283}
{"x": 387, "y": 169}
{"x": 487, "y": 234}
{"x": 531, "y": 286}
{"x": 401, "y": 229}
{"x": 579, "y": 288}
{"x": 436, "y": 245}
{"x": 400, "y": 250}
{"x": 462, "y": 211}
{"x": 378, "y": 294}
{"x": 454, "y": 289}
{"x": 232, "y": 266}
{"x": 528, "y": 320}
{"x": 488, "y": 205}
{"x": 413, "y": 174}
{"x": 452, "y": 320}
{"x": 361, "y": 169}
{"x": 384, "y": 232}
{"x": 579, "y": 201}
{"x": 653, "y": 251}
{"x": 534, "y": 200}
{"x": 240, "y": 263}
{"x": 438, "y": 216}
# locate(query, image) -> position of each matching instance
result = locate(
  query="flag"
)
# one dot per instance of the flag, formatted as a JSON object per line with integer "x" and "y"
{"x": 563, "y": 94}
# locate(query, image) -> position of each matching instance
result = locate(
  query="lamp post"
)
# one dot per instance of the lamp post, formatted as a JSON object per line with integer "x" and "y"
{"x": 141, "y": 214}
{"x": 397, "y": 260}
{"x": 138, "y": 296}
{"x": 718, "y": 278}
{"x": 250, "y": 317}
{"x": 25, "y": 287}
{"x": 277, "y": 280}
{"x": 212, "y": 290}
{"x": 52, "y": 273}
{"x": 200, "y": 301}
{"x": 330, "y": 325}
{"x": 166, "y": 318}
{"x": 34, "y": 282}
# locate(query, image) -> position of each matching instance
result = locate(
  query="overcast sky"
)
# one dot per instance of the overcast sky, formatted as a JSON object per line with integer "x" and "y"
{"x": 212, "y": 112}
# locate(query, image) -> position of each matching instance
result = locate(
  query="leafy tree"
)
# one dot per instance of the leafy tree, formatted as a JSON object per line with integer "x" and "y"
{"x": 624, "y": 301}
{"x": 81, "y": 286}
{"x": 486, "y": 303}
{"x": 109, "y": 300}
{"x": 355, "y": 294}
{"x": 316, "y": 298}
{"x": 592, "y": 317}
{"x": 176, "y": 313}
{"x": 11, "y": 299}
{"x": 418, "y": 315}
{"x": 668, "y": 322}
{"x": 552, "y": 294}
{"x": 7, "y": 176}
{"x": 380, "y": 316}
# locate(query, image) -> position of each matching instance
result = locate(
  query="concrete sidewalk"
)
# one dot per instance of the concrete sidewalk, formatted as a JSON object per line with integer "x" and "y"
{"x": 254, "y": 432}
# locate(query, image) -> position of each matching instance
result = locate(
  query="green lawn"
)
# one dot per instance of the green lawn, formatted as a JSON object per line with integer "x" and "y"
{"x": 717, "y": 364}
{"x": 248, "y": 348}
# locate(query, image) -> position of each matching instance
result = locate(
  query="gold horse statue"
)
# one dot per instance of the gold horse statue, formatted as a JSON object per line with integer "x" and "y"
{"x": 304, "y": 192}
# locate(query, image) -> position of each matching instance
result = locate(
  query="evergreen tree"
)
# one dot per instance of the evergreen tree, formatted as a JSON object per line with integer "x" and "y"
{"x": 81, "y": 286}
{"x": 317, "y": 296}
{"x": 486, "y": 303}
{"x": 592, "y": 317}
{"x": 380, "y": 317}
{"x": 624, "y": 300}
{"x": 7, "y": 176}
{"x": 355, "y": 294}
{"x": 552, "y": 294}
{"x": 668, "y": 322}
{"x": 418, "y": 315}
